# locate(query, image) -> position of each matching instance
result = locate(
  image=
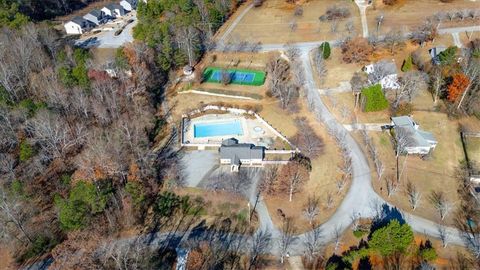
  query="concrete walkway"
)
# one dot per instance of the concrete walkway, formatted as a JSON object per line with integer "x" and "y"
{"x": 343, "y": 87}
{"x": 365, "y": 126}
{"x": 456, "y": 40}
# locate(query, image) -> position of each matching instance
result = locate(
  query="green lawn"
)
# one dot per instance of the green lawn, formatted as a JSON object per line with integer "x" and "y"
{"x": 258, "y": 79}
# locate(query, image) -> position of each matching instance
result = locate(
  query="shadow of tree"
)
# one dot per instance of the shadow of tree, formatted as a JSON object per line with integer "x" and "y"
{"x": 386, "y": 215}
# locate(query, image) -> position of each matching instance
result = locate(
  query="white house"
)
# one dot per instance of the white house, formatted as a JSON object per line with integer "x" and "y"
{"x": 77, "y": 26}
{"x": 129, "y": 5}
{"x": 113, "y": 10}
{"x": 236, "y": 154}
{"x": 414, "y": 140}
{"x": 383, "y": 72}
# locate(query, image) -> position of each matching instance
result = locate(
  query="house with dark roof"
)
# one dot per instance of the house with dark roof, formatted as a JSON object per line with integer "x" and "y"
{"x": 414, "y": 140}
{"x": 129, "y": 5}
{"x": 383, "y": 72}
{"x": 77, "y": 26}
{"x": 113, "y": 10}
{"x": 237, "y": 154}
{"x": 95, "y": 16}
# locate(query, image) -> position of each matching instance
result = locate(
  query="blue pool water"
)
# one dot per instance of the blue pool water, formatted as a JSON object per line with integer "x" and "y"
{"x": 217, "y": 129}
{"x": 235, "y": 76}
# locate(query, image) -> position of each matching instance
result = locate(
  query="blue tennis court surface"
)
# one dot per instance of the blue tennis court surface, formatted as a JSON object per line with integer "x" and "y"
{"x": 233, "y": 127}
{"x": 235, "y": 76}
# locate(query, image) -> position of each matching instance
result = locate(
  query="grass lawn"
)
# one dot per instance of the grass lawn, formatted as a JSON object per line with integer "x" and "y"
{"x": 238, "y": 76}
{"x": 271, "y": 22}
{"x": 409, "y": 14}
{"x": 437, "y": 174}
{"x": 322, "y": 177}
{"x": 220, "y": 204}
{"x": 472, "y": 145}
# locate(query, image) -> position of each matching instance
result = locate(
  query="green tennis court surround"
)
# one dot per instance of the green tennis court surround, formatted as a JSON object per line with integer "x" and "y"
{"x": 237, "y": 76}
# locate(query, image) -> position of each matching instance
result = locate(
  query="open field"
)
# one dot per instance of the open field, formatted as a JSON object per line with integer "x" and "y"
{"x": 408, "y": 14}
{"x": 271, "y": 22}
{"x": 472, "y": 146}
{"x": 220, "y": 204}
{"x": 321, "y": 183}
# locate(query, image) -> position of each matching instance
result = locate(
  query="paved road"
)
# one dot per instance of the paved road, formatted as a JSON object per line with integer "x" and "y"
{"x": 452, "y": 30}
{"x": 361, "y": 197}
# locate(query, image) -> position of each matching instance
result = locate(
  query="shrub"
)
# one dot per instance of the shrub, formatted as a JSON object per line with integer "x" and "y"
{"x": 373, "y": 99}
{"x": 325, "y": 50}
{"x": 447, "y": 57}
{"x": 257, "y": 3}
{"x": 84, "y": 200}
{"x": 390, "y": 2}
{"x": 26, "y": 151}
{"x": 39, "y": 246}
{"x": 427, "y": 251}
{"x": 407, "y": 64}
{"x": 359, "y": 233}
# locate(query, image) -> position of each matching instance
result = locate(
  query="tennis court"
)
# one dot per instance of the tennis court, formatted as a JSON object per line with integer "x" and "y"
{"x": 237, "y": 76}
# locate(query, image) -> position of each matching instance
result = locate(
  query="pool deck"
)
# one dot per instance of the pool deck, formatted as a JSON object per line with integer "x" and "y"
{"x": 254, "y": 131}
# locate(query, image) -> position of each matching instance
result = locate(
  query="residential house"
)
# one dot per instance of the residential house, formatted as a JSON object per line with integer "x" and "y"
{"x": 413, "y": 140}
{"x": 113, "y": 10}
{"x": 129, "y": 5}
{"x": 383, "y": 72}
{"x": 77, "y": 26}
{"x": 95, "y": 16}
{"x": 236, "y": 154}
{"x": 435, "y": 54}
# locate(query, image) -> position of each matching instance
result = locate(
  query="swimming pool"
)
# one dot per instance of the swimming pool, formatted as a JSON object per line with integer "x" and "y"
{"x": 232, "y": 127}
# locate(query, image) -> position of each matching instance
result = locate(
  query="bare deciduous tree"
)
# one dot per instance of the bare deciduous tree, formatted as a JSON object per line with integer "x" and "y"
{"x": 307, "y": 140}
{"x": 292, "y": 177}
{"x": 311, "y": 209}
{"x": 413, "y": 195}
{"x": 260, "y": 244}
{"x": 313, "y": 245}
{"x": 391, "y": 186}
{"x": 287, "y": 238}
{"x": 440, "y": 203}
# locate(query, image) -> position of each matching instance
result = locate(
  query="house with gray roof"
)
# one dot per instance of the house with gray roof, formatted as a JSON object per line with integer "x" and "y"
{"x": 129, "y": 5}
{"x": 414, "y": 140}
{"x": 383, "y": 72}
{"x": 236, "y": 154}
{"x": 95, "y": 16}
{"x": 77, "y": 26}
{"x": 113, "y": 10}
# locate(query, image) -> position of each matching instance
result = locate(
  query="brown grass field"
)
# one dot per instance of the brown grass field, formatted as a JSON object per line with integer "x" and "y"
{"x": 410, "y": 13}
{"x": 270, "y": 22}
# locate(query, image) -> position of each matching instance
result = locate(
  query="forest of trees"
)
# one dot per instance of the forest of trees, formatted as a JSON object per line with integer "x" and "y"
{"x": 77, "y": 156}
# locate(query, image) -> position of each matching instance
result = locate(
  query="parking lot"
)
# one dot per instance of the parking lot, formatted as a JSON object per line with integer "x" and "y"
{"x": 111, "y": 35}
